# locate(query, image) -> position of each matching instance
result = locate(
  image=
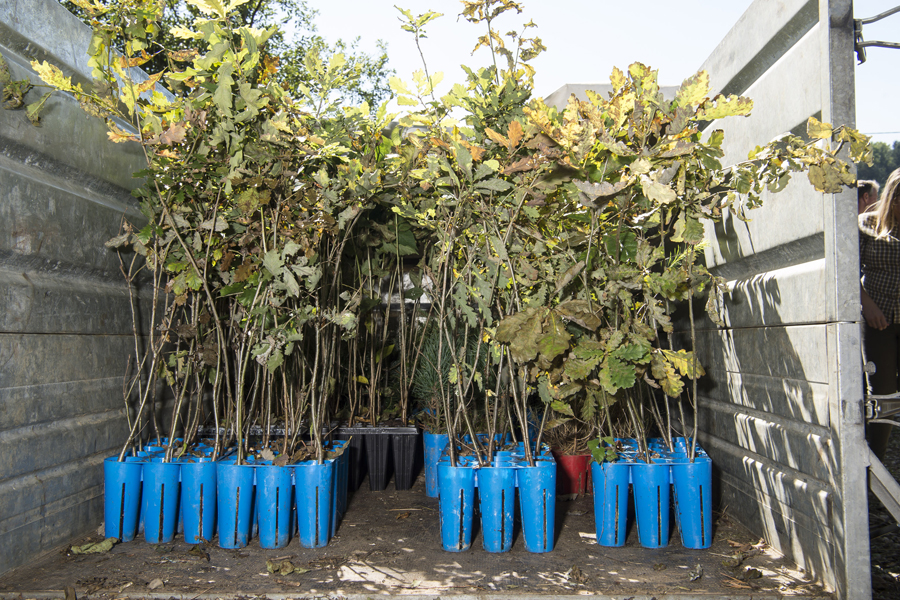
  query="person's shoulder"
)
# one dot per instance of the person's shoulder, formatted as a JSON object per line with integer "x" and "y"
{"x": 868, "y": 222}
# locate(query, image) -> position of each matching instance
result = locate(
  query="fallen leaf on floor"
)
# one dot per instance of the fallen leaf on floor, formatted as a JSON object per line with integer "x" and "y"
{"x": 284, "y": 567}
{"x": 70, "y": 593}
{"x": 403, "y": 515}
{"x": 696, "y": 573}
{"x": 156, "y": 583}
{"x": 749, "y": 574}
{"x": 164, "y": 548}
{"x": 199, "y": 552}
{"x": 512, "y": 587}
{"x": 94, "y": 547}
{"x": 575, "y": 575}
{"x": 660, "y": 567}
{"x": 267, "y": 454}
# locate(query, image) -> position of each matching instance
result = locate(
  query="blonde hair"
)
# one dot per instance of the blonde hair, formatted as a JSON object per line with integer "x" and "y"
{"x": 885, "y": 216}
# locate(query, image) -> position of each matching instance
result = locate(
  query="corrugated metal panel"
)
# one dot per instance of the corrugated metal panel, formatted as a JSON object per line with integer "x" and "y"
{"x": 781, "y": 408}
{"x": 65, "y": 327}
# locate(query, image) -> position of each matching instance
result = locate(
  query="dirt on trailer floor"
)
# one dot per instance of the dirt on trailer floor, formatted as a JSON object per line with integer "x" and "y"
{"x": 388, "y": 544}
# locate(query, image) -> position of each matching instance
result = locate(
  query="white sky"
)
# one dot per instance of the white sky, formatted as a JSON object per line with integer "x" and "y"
{"x": 586, "y": 38}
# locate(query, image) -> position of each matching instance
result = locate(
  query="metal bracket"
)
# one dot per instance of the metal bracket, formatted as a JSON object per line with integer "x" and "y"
{"x": 861, "y": 44}
{"x": 881, "y": 407}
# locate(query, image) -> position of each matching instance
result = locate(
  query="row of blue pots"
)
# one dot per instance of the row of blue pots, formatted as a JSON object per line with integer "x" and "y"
{"x": 224, "y": 498}
{"x": 669, "y": 475}
{"x": 497, "y": 486}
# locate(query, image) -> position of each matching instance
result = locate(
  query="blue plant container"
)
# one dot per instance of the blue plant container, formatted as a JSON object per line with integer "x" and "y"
{"x": 121, "y": 498}
{"x": 274, "y": 495}
{"x": 650, "y": 482}
{"x": 339, "y": 491}
{"x": 457, "y": 506}
{"x": 434, "y": 446}
{"x": 610, "y": 481}
{"x": 537, "y": 503}
{"x": 497, "y": 501}
{"x": 161, "y": 493}
{"x": 693, "y": 500}
{"x": 235, "y": 497}
{"x": 198, "y": 499}
{"x": 314, "y": 485}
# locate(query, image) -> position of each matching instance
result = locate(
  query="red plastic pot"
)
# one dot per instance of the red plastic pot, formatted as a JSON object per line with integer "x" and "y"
{"x": 572, "y": 473}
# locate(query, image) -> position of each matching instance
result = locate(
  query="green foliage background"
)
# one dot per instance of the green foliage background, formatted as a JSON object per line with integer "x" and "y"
{"x": 885, "y": 160}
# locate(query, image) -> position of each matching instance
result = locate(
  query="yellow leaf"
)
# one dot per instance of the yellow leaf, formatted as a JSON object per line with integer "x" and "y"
{"x": 497, "y": 138}
{"x": 210, "y": 7}
{"x": 617, "y": 79}
{"x": 118, "y": 136}
{"x": 721, "y": 106}
{"x": 183, "y": 33}
{"x": 515, "y": 134}
{"x": 657, "y": 192}
{"x": 150, "y": 83}
{"x": 693, "y": 90}
{"x": 361, "y": 379}
{"x": 51, "y": 74}
{"x": 817, "y": 130}
{"x": 685, "y": 362}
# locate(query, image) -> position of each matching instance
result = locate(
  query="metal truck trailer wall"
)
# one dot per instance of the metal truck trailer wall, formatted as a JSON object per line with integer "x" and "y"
{"x": 65, "y": 322}
{"x": 781, "y": 408}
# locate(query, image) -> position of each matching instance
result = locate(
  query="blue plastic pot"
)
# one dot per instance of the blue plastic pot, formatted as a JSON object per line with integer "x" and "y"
{"x": 650, "y": 482}
{"x": 274, "y": 495}
{"x": 610, "y": 482}
{"x": 198, "y": 500}
{"x": 497, "y": 501}
{"x": 235, "y": 497}
{"x": 537, "y": 503}
{"x": 434, "y": 445}
{"x": 339, "y": 491}
{"x": 693, "y": 500}
{"x": 161, "y": 493}
{"x": 457, "y": 506}
{"x": 314, "y": 485}
{"x": 121, "y": 498}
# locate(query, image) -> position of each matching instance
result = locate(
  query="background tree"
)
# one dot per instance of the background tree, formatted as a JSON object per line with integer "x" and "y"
{"x": 284, "y": 52}
{"x": 885, "y": 160}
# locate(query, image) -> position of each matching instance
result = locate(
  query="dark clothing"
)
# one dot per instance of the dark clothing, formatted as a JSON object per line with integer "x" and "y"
{"x": 882, "y": 348}
{"x": 880, "y": 266}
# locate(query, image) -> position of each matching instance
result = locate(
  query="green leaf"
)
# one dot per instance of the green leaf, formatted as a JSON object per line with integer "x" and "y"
{"x": 580, "y": 312}
{"x": 272, "y": 262}
{"x": 634, "y": 353}
{"x": 290, "y": 283}
{"x": 493, "y": 185}
{"x": 562, "y": 408}
{"x": 276, "y": 359}
{"x": 616, "y": 375}
{"x": 578, "y": 370}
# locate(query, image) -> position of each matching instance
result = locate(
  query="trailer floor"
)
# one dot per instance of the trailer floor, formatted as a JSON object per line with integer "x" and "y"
{"x": 388, "y": 544}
